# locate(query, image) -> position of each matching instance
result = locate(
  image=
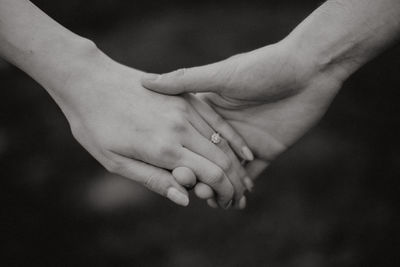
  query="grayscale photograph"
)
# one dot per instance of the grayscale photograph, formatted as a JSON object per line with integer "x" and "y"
{"x": 200, "y": 133}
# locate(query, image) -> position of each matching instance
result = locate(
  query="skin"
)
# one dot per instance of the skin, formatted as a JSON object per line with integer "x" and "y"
{"x": 131, "y": 131}
{"x": 273, "y": 95}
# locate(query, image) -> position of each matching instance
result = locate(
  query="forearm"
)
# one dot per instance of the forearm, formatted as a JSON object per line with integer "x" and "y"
{"x": 41, "y": 47}
{"x": 342, "y": 35}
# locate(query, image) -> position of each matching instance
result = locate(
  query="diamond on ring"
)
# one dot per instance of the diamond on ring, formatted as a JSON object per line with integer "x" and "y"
{"x": 215, "y": 138}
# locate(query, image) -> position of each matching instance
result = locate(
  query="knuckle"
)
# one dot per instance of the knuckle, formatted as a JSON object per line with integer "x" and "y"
{"x": 216, "y": 177}
{"x": 151, "y": 180}
{"x": 225, "y": 164}
{"x": 181, "y": 105}
{"x": 113, "y": 167}
{"x": 227, "y": 73}
{"x": 179, "y": 123}
{"x": 108, "y": 167}
{"x": 168, "y": 151}
{"x": 219, "y": 121}
{"x": 179, "y": 73}
{"x": 224, "y": 146}
{"x": 178, "y": 116}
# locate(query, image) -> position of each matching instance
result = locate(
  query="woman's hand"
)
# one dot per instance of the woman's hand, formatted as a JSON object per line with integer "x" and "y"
{"x": 184, "y": 176}
{"x": 132, "y": 131}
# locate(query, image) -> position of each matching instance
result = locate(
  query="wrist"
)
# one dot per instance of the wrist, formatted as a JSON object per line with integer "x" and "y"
{"x": 314, "y": 63}
{"x": 301, "y": 69}
{"x": 57, "y": 61}
{"x": 82, "y": 76}
{"x": 340, "y": 36}
{"x": 65, "y": 66}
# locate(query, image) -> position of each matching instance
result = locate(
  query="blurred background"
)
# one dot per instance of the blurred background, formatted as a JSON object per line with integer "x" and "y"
{"x": 332, "y": 200}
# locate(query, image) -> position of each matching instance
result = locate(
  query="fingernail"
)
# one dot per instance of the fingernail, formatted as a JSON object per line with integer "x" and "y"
{"x": 178, "y": 197}
{"x": 228, "y": 205}
{"x": 212, "y": 203}
{"x": 247, "y": 153}
{"x": 242, "y": 203}
{"x": 248, "y": 183}
{"x": 151, "y": 77}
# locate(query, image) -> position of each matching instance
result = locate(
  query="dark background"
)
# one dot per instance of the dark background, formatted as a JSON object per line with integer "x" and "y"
{"x": 332, "y": 200}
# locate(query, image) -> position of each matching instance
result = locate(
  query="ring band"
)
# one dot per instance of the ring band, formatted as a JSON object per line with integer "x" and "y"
{"x": 216, "y": 138}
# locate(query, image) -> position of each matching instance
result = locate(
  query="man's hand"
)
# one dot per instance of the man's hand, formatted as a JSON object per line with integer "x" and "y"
{"x": 269, "y": 95}
{"x": 273, "y": 95}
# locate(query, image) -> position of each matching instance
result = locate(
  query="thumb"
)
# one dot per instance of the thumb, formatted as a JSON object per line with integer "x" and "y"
{"x": 208, "y": 78}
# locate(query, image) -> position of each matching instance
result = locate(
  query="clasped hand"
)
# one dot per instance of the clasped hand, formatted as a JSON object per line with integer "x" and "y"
{"x": 271, "y": 96}
{"x": 143, "y": 135}
{"x": 267, "y": 98}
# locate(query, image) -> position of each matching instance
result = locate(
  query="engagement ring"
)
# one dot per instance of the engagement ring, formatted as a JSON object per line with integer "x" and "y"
{"x": 215, "y": 138}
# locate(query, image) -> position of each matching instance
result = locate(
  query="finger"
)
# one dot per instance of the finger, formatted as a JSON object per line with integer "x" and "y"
{"x": 240, "y": 173}
{"x": 208, "y": 78}
{"x": 206, "y": 130}
{"x": 155, "y": 179}
{"x": 185, "y": 177}
{"x": 236, "y": 141}
{"x": 242, "y": 203}
{"x": 236, "y": 172}
{"x": 210, "y": 174}
{"x": 221, "y": 155}
{"x": 203, "y": 191}
{"x": 255, "y": 168}
{"x": 212, "y": 203}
